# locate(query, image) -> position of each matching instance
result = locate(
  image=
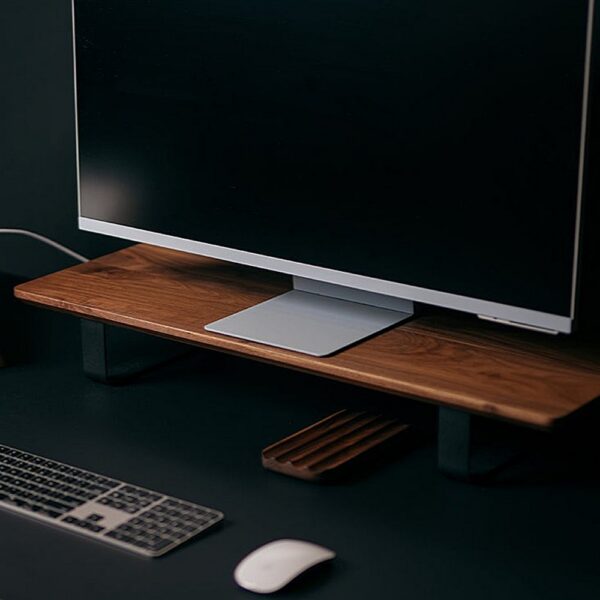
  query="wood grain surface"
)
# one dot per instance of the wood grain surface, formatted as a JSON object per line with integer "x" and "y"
{"x": 321, "y": 450}
{"x": 456, "y": 361}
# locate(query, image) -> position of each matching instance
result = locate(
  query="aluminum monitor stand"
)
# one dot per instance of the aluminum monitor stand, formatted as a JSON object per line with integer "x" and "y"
{"x": 315, "y": 318}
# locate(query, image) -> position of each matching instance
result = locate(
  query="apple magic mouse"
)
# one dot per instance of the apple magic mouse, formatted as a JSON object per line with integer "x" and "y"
{"x": 272, "y": 566}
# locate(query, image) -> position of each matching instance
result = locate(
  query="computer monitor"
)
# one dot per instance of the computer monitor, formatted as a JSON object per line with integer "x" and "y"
{"x": 381, "y": 152}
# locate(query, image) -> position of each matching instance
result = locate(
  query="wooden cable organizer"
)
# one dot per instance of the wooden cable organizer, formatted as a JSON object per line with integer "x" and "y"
{"x": 321, "y": 450}
{"x": 459, "y": 363}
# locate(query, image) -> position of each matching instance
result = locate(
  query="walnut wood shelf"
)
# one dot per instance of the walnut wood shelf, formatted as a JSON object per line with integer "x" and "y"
{"x": 456, "y": 362}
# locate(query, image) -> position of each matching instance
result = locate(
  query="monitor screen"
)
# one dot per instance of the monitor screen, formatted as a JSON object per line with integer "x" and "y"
{"x": 434, "y": 144}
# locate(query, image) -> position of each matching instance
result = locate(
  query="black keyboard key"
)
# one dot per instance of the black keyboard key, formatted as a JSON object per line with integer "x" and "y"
{"x": 122, "y": 537}
{"x": 57, "y": 505}
{"x": 159, "y": 544}
{"x": 83, "y": 524}
{"x": 70, "y": 520}
{"x": 189, "y": 528}
{"x": 50, "y": 513}
{"x": 95, "y": 517}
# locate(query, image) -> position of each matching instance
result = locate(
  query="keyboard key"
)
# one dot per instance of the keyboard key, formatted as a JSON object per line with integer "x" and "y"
{"x": 49, "y": 513}
{"x": 95, "y": 517}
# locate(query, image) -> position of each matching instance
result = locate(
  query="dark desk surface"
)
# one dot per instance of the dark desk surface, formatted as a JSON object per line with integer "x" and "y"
{"x": 195, "y": 429}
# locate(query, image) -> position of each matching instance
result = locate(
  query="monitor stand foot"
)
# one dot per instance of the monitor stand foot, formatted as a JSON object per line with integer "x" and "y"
{"x": 124, "y": 358}
{"x": 315, "y": 318}
{"x": 457, "y": 456}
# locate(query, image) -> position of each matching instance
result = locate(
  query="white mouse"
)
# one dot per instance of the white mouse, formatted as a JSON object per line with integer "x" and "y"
{"x": 274, "y": 565}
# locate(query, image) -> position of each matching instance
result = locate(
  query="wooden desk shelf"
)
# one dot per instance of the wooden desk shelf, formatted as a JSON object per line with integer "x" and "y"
{"x": 456, "y": 362}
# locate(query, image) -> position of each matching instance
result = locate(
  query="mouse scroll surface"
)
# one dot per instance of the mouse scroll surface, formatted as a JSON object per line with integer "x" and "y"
{"x": 274, "y": 565}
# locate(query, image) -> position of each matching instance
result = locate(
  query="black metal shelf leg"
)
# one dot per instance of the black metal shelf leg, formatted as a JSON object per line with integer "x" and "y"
{"x": 460, "y": 457}
{"x": 454, "y": 443}
{"x": 95, "y": 350}
{"x": 123, "y": 354}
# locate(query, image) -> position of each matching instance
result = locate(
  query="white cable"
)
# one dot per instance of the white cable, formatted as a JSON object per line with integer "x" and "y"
{"x": 45, "y": 240}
